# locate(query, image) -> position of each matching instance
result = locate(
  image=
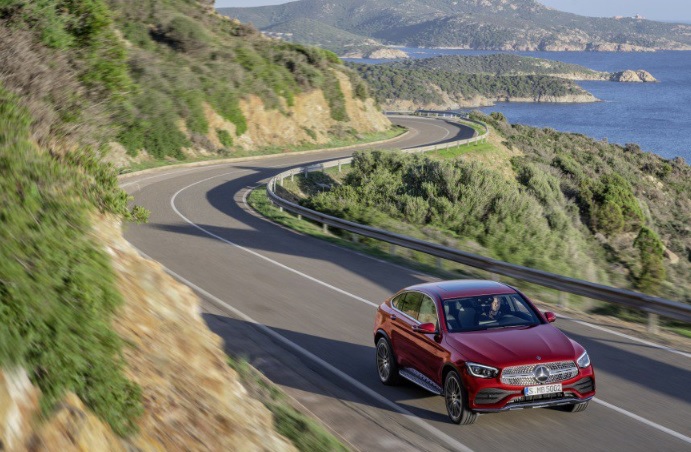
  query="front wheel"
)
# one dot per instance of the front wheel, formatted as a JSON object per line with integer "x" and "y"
{"x": 386, "y": 363}
{"x": 455, "y": 398}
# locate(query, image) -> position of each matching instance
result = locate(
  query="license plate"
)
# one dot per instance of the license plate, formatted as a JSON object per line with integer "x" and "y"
{"x": 544, "y": 389}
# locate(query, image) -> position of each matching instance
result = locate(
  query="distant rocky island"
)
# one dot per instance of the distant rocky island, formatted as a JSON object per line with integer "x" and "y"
{"x": 361, "y": 26}
{"x": 451, "y": 82}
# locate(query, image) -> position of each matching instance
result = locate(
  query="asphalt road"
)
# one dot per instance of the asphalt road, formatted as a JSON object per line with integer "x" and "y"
{"x": 302, "y": 311}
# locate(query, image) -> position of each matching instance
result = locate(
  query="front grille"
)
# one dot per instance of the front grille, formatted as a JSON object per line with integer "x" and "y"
{"x": 523, "y": 375}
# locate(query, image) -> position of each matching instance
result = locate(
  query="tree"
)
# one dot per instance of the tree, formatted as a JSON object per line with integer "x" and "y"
{"x": 651, "y": 251}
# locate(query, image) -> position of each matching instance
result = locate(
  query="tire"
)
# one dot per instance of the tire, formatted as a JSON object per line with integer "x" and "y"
{"x": 577, "y": 407}
{"x": 387, "y": 369}
{"x": 456, "y": 400}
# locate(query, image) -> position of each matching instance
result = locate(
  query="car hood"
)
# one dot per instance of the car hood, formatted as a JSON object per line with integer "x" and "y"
{"x": 514, "y": 346}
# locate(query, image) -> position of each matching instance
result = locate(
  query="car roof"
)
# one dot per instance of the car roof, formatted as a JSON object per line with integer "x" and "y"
{"x": 460, "y": 288}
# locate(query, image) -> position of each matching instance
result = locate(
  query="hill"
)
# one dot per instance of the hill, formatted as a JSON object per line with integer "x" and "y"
{"x": 502, "y": 65}
{"x": 90, "y": 344}
{"x": 472, "y": 24}
{"x": 452, "y": 82}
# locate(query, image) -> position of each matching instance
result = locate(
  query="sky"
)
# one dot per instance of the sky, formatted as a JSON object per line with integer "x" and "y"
{"x": 668, "y": 10}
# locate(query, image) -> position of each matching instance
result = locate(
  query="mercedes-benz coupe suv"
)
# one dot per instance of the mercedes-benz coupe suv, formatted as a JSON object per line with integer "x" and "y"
{"x": 483, "y": 345}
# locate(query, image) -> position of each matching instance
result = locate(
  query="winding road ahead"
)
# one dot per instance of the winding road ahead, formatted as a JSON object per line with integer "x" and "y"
{"x": 302, "y": 310}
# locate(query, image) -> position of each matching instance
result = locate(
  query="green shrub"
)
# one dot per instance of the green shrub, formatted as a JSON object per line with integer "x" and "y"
{"x": 651, "y": 251}
{"x": 224, "y": 137}
{"x": 184, "y": 35}
{"x": 57, "y": 288}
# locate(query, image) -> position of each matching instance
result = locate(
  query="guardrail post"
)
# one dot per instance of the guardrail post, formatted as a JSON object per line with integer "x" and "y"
{"x": 325, "y": 228}
{"x": 440, "y": 263}
{"x": 355, "y": 238}
{"x": 392, "y": 249}
{"x": 339, "y": 166}
{"x": 281, "y": 181}
{"x": 653, "y": 323}
{"x": 299, "y": 217}
{"x": 563, "y": 300}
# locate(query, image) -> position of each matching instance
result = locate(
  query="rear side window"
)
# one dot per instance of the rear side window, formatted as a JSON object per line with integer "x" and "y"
{"x": 408, "y": 303}
{"x": 428, "y": 313}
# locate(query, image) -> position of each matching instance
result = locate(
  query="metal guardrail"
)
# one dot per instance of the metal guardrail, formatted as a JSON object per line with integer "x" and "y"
{"x": 654, "y": 306}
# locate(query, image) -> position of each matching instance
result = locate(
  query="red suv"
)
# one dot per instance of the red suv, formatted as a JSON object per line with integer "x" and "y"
{"x": 483, "y": 346}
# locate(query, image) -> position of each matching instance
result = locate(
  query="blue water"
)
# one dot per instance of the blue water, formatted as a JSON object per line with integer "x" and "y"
{"x": 657, "y": 116}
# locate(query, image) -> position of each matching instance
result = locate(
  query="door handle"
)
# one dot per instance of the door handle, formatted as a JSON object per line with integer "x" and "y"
{"x": 393, "y": 317}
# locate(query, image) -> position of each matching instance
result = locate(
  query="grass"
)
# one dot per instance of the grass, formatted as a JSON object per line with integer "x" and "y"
{"x": 457, "y": 151}
{"x": 272, "y": 150}
{"x": 305, "y": 433}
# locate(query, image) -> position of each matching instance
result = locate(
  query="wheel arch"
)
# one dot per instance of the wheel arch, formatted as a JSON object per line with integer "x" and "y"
{"x": 448, "y": 367}
{"x": 379, "y": 334}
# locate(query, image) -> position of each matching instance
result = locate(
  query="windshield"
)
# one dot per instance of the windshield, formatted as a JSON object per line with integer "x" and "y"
{"x": 488, "y": 311}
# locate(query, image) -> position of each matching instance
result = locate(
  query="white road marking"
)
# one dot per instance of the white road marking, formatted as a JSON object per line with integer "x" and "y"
{"x": 254, "y": 253}
{"x": 306, "y": 354}
{"x": 643, "y": 420}
{"x": 328, "y": 366}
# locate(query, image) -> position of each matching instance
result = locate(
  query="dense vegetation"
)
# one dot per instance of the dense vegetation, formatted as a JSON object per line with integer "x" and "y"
{"x": 499, "y": 64}
{"x": 424, "y": 86}
{"x": 57, "y": 290}
{"x": 594, "y": 210}
{"x": 490, "y": 24}
{"x": 137, "y": 69}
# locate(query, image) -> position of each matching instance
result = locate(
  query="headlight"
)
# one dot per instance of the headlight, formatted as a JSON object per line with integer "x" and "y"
{"x": 583, "y": 361}
{"x": 480, "y": 371}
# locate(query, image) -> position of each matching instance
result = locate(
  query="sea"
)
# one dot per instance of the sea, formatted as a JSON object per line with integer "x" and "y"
{"x": 656, "y": 116}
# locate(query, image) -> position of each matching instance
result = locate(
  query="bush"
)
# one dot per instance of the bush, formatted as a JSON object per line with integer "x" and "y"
{"x": 184, "y": 35}
{"x": 57, "y": 289}
{"x": 651, "y": 251}
{"x": 224, "y": 137}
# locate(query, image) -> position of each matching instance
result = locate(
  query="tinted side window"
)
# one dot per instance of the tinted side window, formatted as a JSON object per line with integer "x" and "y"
{"x": 428, "y": 313}
{"x": 409, "y": 304}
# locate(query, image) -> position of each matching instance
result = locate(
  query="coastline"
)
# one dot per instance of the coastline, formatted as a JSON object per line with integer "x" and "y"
{"x": 482, "y": 102}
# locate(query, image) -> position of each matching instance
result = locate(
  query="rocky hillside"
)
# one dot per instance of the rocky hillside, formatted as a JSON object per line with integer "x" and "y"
{"x": 471, "y": 24}
{"x": 99, "y": 349}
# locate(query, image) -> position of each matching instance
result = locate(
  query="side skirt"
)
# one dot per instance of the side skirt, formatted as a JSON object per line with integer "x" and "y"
{"x": 419, "y": 379}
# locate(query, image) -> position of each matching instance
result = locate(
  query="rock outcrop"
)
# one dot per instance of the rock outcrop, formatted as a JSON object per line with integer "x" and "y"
{"x": 387, "y": 54}
{"x": 629, "y": 76}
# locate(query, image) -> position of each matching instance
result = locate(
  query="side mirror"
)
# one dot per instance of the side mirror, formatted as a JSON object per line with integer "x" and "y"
{"x": 425, "y": 328}
{"x": 550, "y": 316}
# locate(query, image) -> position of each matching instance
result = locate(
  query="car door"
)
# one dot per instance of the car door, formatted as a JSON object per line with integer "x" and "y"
{"x": 429, "y": 354}
{"x": 406, "y": 307}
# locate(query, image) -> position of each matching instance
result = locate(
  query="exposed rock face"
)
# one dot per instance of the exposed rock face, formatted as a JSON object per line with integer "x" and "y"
{"x": 630, "y": 76}
{"x": 73, "y": 427}
{"x": 193, "y": 400}
{"x": 480, "y": 101}
{"x": 18, "y": 404}
{"x": 387, "y": 54}
{"x": 309, "y": 119}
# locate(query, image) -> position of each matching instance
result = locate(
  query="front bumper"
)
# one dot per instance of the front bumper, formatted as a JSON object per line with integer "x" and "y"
{"x": 491, "y": 396}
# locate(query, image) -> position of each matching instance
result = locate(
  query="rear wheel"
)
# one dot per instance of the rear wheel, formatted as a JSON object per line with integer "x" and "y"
{"x": 577, "y": 407}
{"x": 386, "y": 363}
{"x": 455, "y": 398}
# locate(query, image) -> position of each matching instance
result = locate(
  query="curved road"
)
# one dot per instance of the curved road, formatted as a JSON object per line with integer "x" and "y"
{"x": 302, "y": 311}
